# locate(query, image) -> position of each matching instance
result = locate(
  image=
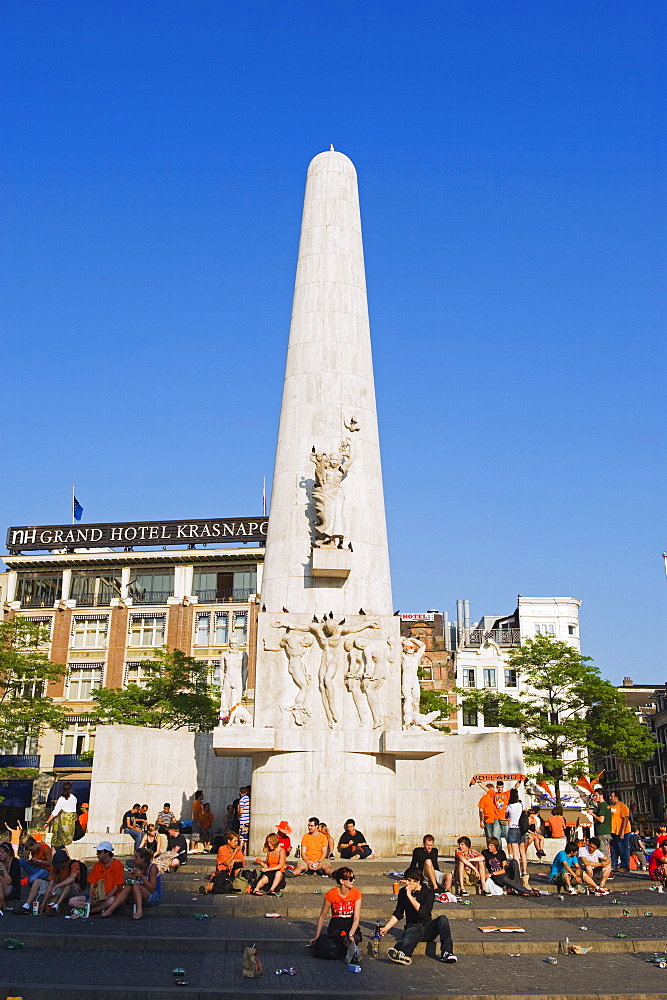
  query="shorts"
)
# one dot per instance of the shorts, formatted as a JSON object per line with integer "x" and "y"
{"x": 153, "y": 899}
{"x": 514, "y": 835}
{"x": 243, "y": 830}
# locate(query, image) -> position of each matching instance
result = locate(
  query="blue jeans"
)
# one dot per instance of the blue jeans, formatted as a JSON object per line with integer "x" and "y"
{"x": 137, "y": 835}
{"x": 493, "y": 829}
{"x": 33, "y": 871}
{"x": 620, "y": 851}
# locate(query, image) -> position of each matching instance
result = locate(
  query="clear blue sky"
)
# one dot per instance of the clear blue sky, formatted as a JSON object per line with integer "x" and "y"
{"x": 512, "y": 166}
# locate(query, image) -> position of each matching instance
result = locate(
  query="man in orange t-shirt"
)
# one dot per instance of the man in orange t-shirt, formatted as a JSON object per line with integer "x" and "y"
{"x": 314, "y": 848}
{"x": 620, "y": 833}
{"x": 489, "y": 820}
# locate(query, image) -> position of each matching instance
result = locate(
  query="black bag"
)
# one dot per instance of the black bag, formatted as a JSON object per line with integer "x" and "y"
{"x": 330, "y": 947}
{"x": 222, "y": 884}
{"x": 524, "y": 825}
{"x": 83, "y": 875}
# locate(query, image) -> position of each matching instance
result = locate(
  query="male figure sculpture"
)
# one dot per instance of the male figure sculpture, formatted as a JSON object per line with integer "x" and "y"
{"x": 295, "y": 647}
{"x": 413, "y": 650}
{"x": 329, "y": 638}
{"x": 330, "y": 471}
{"x": 233, "y": 678}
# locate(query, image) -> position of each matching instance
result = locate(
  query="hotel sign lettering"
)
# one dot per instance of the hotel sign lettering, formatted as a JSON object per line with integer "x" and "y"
{"x": 132, "y": 533}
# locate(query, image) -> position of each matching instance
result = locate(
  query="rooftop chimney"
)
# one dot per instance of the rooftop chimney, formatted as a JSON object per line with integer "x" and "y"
{"x": 627, "y": 682}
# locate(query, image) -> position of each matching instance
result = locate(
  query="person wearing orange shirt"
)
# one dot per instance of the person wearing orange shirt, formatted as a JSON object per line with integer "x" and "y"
{"x": 314, "y": 850}
{"x": 620, "y": 833}
{"x": 501, "y": 798}
{"x": 229, "y": 861}
{"x": 489, "y": 821}
{"x": 273, "y": 867}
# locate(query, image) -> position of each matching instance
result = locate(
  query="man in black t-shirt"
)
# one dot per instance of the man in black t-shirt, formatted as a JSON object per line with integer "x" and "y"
{"x": 352, "y": 843}
{"x": 130, "y": 825}
{"x": 415, "y": 903}
{"x": 425, "y": 858}
{"x": 504, "y": 871}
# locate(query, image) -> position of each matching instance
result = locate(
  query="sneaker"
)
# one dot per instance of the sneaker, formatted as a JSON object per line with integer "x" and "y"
{"x": 448, "y": 957}
{"x": 571, "y": 891}
{"x": 202, "y": 890}
{"x": 464, "y": 893}
{"x": 601, "y": 892}
{"x": 541, "y": 854}
{"x": 397, "y": 956}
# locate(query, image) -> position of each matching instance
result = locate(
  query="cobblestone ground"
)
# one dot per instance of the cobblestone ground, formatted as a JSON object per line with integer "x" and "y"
{"x": 132, "y": 976}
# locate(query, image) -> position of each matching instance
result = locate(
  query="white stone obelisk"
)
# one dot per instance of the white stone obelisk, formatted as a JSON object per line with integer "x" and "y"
{"x": 328, "y": 396}
{"x": 326, "y": 730}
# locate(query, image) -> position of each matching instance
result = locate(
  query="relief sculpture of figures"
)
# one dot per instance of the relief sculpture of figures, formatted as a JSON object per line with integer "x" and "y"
{"x": 412, "y": 651}
{"x": 329, "y": 638}
{"x": 295, "y": 647}
{"x": 367, "y": 672}
{"x": 233, "y": 680}
{"x": 328, "y": 494}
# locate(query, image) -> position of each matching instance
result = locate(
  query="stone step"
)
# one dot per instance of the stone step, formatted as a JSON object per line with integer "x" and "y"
{"x": 53, "y": 974}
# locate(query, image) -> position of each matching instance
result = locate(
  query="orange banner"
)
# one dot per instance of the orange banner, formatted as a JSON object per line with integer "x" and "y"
{"x": 507, "y": 776}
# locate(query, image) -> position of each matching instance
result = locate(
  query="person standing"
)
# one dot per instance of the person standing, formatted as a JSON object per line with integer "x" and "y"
{"x": 415, "y": 903}
{"x": 601, "y": 812}
{"x": 488, "y": 814}
{"x": 502, "y": 798}
{"x": 206, "y": 822}
{"x": 620, "y": 832}
{"x": 15, "y": 836}
{"x": 63, "y": 818}
{"x": 244, "y": 815}
{"x": 197, "y": 813}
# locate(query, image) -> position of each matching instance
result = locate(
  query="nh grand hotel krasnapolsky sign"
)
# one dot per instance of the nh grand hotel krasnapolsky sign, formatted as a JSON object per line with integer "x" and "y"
{"x": 132, "y": 533}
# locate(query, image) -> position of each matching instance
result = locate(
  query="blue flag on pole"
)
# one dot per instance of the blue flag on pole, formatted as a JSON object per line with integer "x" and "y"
{"x": 78, "y": 510}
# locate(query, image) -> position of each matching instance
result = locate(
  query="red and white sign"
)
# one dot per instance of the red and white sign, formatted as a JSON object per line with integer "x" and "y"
{"x": 418, "y": 616}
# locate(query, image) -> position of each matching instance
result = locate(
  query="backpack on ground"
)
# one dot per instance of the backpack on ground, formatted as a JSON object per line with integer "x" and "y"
{"x": 329, "y": 946}
{"x": 222, "y": 884}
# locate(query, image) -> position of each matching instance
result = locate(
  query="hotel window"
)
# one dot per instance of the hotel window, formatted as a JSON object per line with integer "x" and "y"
{"x": 221, "y": 628}
{"x": 137, "y": 673}
{"x": 542, "y": 628}
{"x": 28, "y": 687}
{"x": 469, "y": 678}
{"x": 79, "y": 737}
{"x": 469, "y": 715}
{"x": 203, "y": 628}
{"x": 89, "y": 633}
{"x": 151, "y": 588}
{"x": 425, "y": 669}
{"x": 489, "y": 675}
{"x": 91, "y": 590}
{"x": 147, "y": 630}
{"x": 510, "y": 678}
{"x": 82, "y": 681}
{"x": 39, "y": 591}
{"x": 45, "y": 622}
{"x": 240, "y": 627}
{"x": 491, "y": 716}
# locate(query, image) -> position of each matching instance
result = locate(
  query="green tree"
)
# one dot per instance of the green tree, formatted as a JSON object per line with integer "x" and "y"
{"x": 177, "y": 695}
{"x": 25, "y": 672}
{"x": 565, "y": 706}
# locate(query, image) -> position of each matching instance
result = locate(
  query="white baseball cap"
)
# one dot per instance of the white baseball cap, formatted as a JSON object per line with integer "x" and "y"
{"x": 105, "y": 846}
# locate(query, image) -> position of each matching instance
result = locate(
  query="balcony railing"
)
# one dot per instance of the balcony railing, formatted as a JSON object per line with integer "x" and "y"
{"x": 91, "y": 601}
{"x": 19, "y": 760}
{"x": 223, "y": 596}
{"x": 38, "y": 600}
{"x": 151, "y": 596}
{"x": 71, "y": 760}
{"x": 501, "y": 636}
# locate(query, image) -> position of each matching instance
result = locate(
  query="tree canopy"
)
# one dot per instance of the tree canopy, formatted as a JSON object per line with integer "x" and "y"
{"x": 565, "y": 707}
{"x": 25, "y": 672}
{"x": 177, "y": 695}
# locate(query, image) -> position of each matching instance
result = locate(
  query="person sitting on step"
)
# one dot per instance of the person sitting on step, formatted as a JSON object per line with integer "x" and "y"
{"x": 415, "y": 903}
{"x": 144, "y": 885}
{"x": 425, "y": 858}
{"x": 229, "y": 861}
{"x": 314, "y": 845}
{"x": 273, "y": 868}
{"x": 344, "y": 901}
{"x": 352, "y": 843}
{"x": 323, "y": 828}
{"x": 470, "y": 866}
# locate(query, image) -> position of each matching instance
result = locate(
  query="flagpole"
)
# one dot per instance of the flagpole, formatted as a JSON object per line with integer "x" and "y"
{"x": 264, "y": 496}
{"x": 73, "y": 488}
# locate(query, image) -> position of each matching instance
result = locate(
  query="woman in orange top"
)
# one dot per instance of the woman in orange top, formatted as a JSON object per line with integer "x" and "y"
{"x": 206, "y": 822}
{"x": 344, "y": 901}
{"x": 229, "y": 860}
{"x": 273, "y": 867}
